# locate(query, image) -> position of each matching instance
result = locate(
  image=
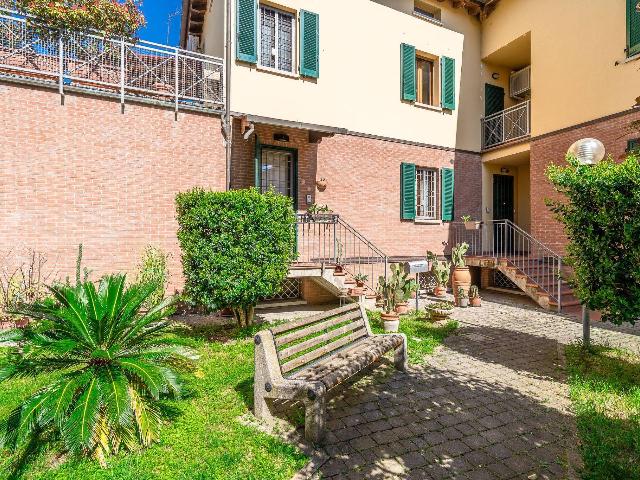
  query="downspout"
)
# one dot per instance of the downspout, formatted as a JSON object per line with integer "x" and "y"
{"x": 227, "y": 114}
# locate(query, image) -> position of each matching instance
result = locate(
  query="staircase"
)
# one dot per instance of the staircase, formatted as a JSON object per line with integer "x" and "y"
{"x": 528, "y": 263}
{"x": 326, "y": 240}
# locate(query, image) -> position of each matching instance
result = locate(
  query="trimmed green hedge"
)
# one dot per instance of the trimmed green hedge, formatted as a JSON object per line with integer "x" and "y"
{"x": 236, "y": 247}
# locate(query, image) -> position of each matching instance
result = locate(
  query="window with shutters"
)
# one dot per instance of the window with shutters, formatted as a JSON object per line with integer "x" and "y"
{"x": 633, "y": 27}
{"x": 427, "y": 71}
{"x": 277, "y": 39}
{"x": 426, "y": 194}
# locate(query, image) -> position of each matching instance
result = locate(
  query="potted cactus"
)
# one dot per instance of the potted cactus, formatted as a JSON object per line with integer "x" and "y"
{"x": 474, "y": 296}
{"x": 339, "y": 267}
{"x": 463, "y": 298}
{"x": 359, "y": 280}
{"x": 441, "y": 271}
{"x": 461, "y": 274}
{"x": 404, "y": 288}
{"x": 388, "y": 293}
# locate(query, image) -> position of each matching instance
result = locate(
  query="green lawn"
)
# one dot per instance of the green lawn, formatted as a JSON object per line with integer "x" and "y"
{"x": 206, "y": 439}
{"x": 605, "y": 390}
{"x": 422, "y": 336}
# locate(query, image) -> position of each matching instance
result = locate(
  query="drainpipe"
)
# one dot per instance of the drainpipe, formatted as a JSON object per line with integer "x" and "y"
{"x": 228, "y": 128}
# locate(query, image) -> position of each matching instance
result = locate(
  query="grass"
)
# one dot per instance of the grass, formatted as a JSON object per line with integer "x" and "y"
{"x": 605, "y": 391}
{"x": 205, "y": 439}
{"x": 422, "y": 336}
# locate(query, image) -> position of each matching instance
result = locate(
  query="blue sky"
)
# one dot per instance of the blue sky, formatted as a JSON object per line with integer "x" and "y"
{"x": 157, "y": 13}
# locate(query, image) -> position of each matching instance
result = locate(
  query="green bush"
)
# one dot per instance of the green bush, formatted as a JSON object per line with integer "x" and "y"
{"x": 153, "y": 270}
{"x": 601, "y": 215}
{"x": 236, "y": 247}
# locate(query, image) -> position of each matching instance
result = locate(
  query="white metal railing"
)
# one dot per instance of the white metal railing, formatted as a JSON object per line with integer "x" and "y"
{"x": 507, "y": 125}
{"x": 109, "y": 65}
{"x": 503, "y": 239}
{"x": 520, "y": 82}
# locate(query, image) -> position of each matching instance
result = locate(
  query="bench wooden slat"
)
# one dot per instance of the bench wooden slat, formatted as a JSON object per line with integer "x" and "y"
{"x": 312, "y": 342}
{"x": 318, "y": 327}
{"x": 319, "y": 352}
{"x": 301, "y": 322}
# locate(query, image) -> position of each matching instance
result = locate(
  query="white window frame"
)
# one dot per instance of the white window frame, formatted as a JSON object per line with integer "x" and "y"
{"x": 420, "y": 193}
{"x": 294, "y": 39}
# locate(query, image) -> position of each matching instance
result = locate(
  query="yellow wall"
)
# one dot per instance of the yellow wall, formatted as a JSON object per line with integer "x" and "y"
{"x": 575, "y": 45}
{"x": 359, "y": 84}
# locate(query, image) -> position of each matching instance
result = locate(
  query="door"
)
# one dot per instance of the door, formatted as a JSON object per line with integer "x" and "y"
{"x": 503, "y": 209}
{"x": 278, "y": 172}
{"x": 493, "y": 99}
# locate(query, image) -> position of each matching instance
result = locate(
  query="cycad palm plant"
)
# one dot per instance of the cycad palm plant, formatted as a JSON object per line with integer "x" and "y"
{"x": 113, "y": 362}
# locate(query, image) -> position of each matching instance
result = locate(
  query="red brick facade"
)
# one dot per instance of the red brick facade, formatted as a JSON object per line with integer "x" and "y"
{"x": 86, "y": 173}
{"x": 613, "y": 131}
{"x": 363, "y": 183}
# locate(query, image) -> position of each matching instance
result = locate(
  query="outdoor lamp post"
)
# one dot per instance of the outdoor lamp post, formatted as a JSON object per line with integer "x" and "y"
{"x": 588, "y": 151}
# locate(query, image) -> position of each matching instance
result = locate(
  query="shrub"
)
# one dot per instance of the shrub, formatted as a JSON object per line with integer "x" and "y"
{"x": 236, "y": 247}
{"x": 601, "y": 216}
{"x": 109, "y": 17}
{"x": 153, "y": 270}
{"x": 112, "y": 364}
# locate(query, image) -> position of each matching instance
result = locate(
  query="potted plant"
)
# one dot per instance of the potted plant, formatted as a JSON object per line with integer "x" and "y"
{"x": 470, "y": 224}
{"x": 441, "y": 271}
{"x": 439, "y": 311}
{"x": 316, "y": 212}
{"x": 463, "y": 298}
{"x": 461, "y": 274}
{"x": 388, "y": 292}
{"x": 474, "y": 296}
{"x": 404, "y": 287}
{"x": 359, "y": 280}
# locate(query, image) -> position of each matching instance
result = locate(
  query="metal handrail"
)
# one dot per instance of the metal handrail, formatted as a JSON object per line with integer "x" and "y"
{"x": 503, "y": 239}
{"x": 113, "y": 66}
{"x": 327, "y": 239}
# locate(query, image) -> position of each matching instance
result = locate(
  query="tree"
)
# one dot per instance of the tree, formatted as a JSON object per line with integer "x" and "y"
{"x": 236, "y": 247}
{"x": 112, "y": 364}
{"x": 601, "y": 216}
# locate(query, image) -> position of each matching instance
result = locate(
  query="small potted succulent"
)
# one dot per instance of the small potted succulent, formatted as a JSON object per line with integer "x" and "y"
{"x": 439, "y": 311}
{"x": 441, "y": 271}
{"x": 389, "y": 294}
{"x": 470, "y": 224}
{"x": 359, "y": 280}
{"x": 463, "y": 298}
{"x": 474, "y": 296}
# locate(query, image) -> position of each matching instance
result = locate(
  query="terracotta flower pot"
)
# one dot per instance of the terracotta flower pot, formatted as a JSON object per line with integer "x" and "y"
{"x": 390, "y": 321}
{"x": 462, "y": 275}
{"x": 440, "y": 291}
{"x": 473, "y": 225}
{"x": 321, "y": 184}
{"x": 413, "y": 294}
{"x": 359, "y": 284}
{"x": 22, "y": 323}
{"x": 476, "y": 302}
{"x": 355, "y": 292}
{"x": 402, "y": 308}
{"x": 338, "y": 271}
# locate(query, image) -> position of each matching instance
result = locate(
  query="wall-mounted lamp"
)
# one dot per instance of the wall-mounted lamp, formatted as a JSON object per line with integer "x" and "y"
{"x": 280, "y": 137}
{"x": 504, "y": 170}
{"x": 588, "y": 151}
{"x": 495, "y": 76}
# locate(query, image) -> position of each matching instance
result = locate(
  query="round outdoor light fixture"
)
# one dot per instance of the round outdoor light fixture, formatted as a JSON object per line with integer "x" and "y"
{"x": 588, "y": 151}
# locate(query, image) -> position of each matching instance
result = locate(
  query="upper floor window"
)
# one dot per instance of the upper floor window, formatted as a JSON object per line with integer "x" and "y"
{"x": 277, "y": 39}
{"x": 427, "y": 12}
{"x": 427, "y": 79}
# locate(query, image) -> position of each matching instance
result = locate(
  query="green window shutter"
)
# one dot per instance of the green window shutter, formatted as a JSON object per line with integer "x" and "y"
{"x": 493, "y": 99}
{"x": 309, "y": 44}
{"x": 408, "y": 72}
{"x": 633, "y": 28}
{"x": 247, "y": 31}
{"x": 633, "y": 146}
{"x": 407, "y": 191}
{"x": 446, "y": 175}
{"x": 448, "y": 80}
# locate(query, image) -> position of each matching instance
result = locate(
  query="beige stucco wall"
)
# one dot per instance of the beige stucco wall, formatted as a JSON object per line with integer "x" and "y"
{"x": 575, "y": 45}
{"x": 359, "y": 84}
{"x": 521, "y": 186}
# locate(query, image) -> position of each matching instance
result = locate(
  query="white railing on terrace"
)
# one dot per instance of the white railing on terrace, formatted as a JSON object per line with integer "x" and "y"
{"x": 508, "y": 125}
{"x": 109, "y": 65}
{"x": 520, "y": 82}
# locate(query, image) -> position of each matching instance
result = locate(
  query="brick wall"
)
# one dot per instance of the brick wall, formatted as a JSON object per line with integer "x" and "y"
{"x": 86, "y": 173}
{"x": 363, "y": 183}
{"x": 314, "y": 294}
{"x": 613, "y": 132}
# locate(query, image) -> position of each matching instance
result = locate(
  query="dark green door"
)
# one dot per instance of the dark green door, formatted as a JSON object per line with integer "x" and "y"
{"x": 493, "y": 99}
{"x": 503, "y": 206}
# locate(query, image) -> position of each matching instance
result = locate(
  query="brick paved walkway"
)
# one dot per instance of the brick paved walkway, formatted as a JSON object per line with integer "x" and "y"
{"x": 491, "y": 403}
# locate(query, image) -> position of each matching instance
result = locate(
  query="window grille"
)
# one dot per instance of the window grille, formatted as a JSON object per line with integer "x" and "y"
{"x": 277, "y": 34}
{"x": 426, "y": 193}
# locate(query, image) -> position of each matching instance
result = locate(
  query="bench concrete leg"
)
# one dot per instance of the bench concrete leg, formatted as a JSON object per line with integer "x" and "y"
{"x": 400, "y": 357}
{"x": 314, "y": 419}
{"x": 261, "y": 408}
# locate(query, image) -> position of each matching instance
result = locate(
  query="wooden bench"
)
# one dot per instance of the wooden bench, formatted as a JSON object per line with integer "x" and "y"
{"x": 303, "y": 359}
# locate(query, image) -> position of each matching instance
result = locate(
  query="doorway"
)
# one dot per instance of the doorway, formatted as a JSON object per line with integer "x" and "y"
{"x": 503, "y": 209}
{"x": 278, "y": 171}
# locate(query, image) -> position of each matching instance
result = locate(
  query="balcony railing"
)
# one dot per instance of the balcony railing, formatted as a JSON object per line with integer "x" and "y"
{"x": 508, "y": 125}
{"x": 109, "y": 65}
{"x": 520, "y": 82}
